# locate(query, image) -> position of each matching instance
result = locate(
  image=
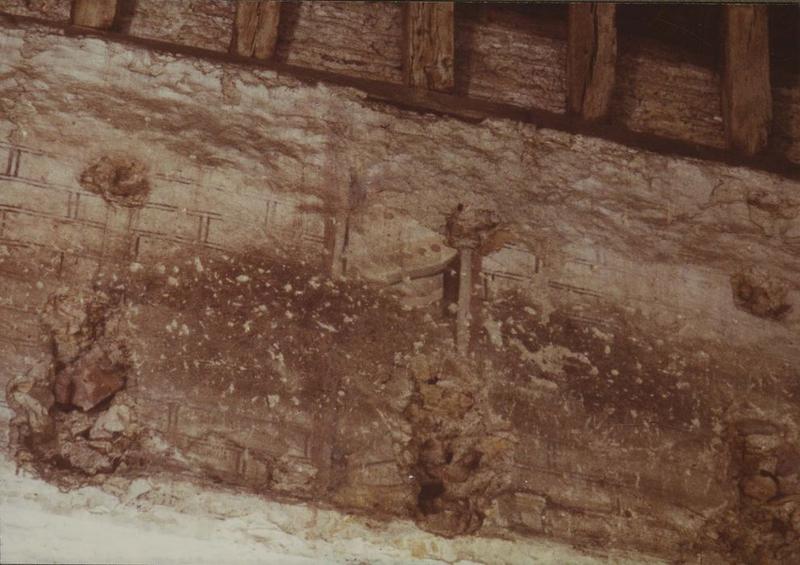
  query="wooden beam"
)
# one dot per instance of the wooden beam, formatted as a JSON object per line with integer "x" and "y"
{"x": 255, "y": 31}
{"x": 591, "y": 59}
{"x": 465, "y": 108}
{"x": 746, "y": 90}
{"x": 429, "y": 45}
{"x": 98, "y": 14}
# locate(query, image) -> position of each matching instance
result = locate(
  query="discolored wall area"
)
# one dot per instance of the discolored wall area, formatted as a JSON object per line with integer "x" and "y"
{"x": 632, "y": 369}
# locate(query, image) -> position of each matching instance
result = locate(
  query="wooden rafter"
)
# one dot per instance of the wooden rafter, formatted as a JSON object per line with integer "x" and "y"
{"x": 591, "y": 59}
{"x": 746, "y": 90}
{"x": 462, "y": 106}
{"x": 98, "y": 14}
{"x": 429, "y": 45}
{"x": 255, "y": 32}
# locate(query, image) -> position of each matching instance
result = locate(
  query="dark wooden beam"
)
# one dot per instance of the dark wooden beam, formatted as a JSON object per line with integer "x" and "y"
{"x": 255, "y": 31}
{"x": 429, "y": 45}
{"x": 591, "y": 59}
{"x": 460, "y": 107}
{"x": 746, "y": 90}
{"x": 98, "y": 14}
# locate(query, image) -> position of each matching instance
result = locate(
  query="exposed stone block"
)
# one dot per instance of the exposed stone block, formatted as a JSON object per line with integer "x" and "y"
{"x": 755, "y": 291}
{"x": 88, "y": 381}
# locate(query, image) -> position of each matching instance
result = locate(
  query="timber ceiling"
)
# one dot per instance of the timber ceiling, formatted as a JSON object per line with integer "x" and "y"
{"x": 715, "y": 81}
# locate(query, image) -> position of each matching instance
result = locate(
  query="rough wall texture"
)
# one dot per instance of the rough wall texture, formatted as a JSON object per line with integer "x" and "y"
{"x": 354, "y": 38}
{"x": 56, "y": 10}
{"x": 502, "y": 55}
{"x": 200, "y": 23}
{"x": 660, "y": 92}
{"x": 168, "y": 227}
{"x": 508, "y": 58}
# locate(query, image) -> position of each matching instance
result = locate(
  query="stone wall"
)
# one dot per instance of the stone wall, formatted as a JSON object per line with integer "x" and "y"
{"x": 632, "y": 312}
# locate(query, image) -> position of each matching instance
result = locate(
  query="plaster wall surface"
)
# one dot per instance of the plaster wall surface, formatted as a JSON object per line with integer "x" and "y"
{"x": 621, "y": 266}
{"x": 501, "y": 55}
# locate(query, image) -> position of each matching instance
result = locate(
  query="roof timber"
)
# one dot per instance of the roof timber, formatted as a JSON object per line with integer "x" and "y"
{"x": 429, "y": 45}
{"x": 746, "y": 90}
{"x": 255, "y": 29}
{"x": 422, "y": 99}
{"x": 591, "y": 58}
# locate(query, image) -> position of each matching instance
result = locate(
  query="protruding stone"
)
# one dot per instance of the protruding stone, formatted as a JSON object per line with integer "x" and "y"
{"x": 292, "y": 474}
{"x": 759, "y": 444}
{"x": 760, "y": 487}
{"x": 789, "y": 484}
{"x": 75, "y": 423}
{"x": 31, "y": 399}
{"x": 119, "y": 179}
{"x": 137, "y": 488}
{"x": 80, "y": 455}
{"x": 421, "y": 369}
{"x": 760, "y": 294}
{"x": 90, "y": 380}
{"x": 115, "y": 420}
{"x": 452, "y": 521}
{"x": 749, "y": 426}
